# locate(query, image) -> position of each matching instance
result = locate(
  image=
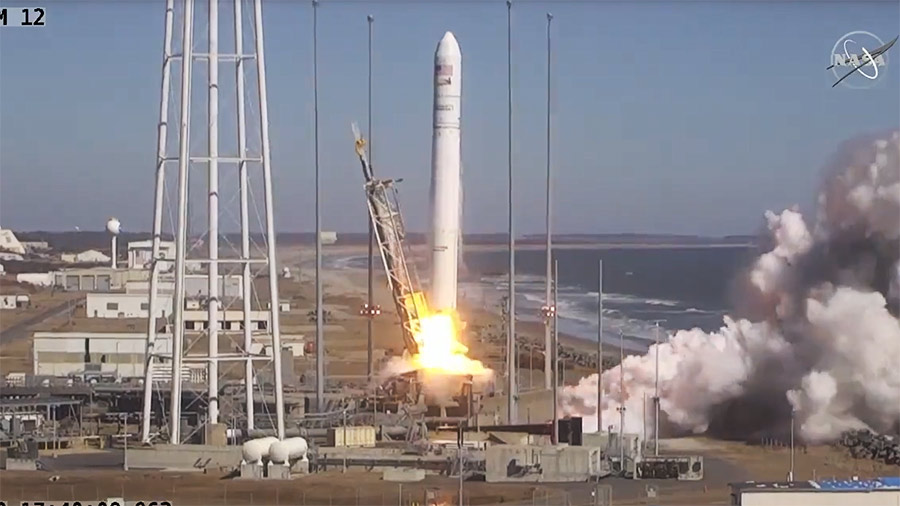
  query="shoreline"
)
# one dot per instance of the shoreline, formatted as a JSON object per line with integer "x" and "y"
{"x": 485, "y": 334}
{"x": 362, "y": 249}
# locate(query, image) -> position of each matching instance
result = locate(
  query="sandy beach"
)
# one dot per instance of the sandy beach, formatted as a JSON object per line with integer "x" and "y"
{"x": 344, "y": 292}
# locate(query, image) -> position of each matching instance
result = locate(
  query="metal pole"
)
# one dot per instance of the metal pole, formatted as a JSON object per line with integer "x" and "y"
{"x": 644, "y": 419}
{"x": 243, "y": 175}
{"x": 371, "y": 273}
{"x": 125, "y": 459}
{"x": 512, "y": 350}
{"x": 656, "y": 395}
{"x": 600, "y": 348}
{"x": 158, "y": 204}
{"x": 547, "y": 337}
{"x": 275, "y": 318}
{"x": 320, "y": 338}
{"x": 791, "y": 473}
{"x": 554, "y": 354}
{"x": 656, "y": 398}
{"x": 181, "y": 235}
{"x": 213, "y": 216}
{"x": 621, "y": 402}
{"x": 459, "y": 455}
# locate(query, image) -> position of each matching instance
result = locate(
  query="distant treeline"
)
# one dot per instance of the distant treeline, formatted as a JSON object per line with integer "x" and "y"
{"x": 76, "y": 241}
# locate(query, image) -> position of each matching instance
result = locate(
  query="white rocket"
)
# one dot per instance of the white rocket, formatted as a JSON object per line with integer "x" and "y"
{"x": 446, "y": 188}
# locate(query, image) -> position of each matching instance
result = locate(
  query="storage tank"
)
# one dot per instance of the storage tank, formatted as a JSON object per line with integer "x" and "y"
{"x": 288, "y": 450}
{"x": 255, "y": 450}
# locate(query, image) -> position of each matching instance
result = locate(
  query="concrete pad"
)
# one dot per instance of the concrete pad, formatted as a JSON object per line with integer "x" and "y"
{"x": 252, "y": 471}
{"x": 403, "y": 474}
{"x": 278, "y": 472}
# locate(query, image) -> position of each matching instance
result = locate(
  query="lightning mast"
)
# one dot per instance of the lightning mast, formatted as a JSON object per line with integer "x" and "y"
{"x": 245, "y": 162}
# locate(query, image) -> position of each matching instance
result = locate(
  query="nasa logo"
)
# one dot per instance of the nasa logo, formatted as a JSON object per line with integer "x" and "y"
{"x": 857, "y": 58}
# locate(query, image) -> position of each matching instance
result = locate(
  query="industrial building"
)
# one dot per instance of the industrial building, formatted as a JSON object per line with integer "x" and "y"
{"x": 118, "y": 354}
{"x": 125, "y": 305}
{"x": 140, "y": 253}
{"x": 9, "y": 242}
{"x": 876, "y": 492}
{"x": 14, "y": 301}
{"x": 195, "y": 286}
{"x": 96, "y": 279}
{"x": 196, "y": 318}
{"x": 90, "y": 256}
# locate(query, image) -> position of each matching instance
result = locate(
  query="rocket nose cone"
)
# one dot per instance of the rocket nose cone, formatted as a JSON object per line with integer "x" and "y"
{"x": 448, "y": 45}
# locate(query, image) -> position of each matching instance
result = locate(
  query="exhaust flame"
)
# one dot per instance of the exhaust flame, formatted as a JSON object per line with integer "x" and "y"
{"x": 440, "y": 351}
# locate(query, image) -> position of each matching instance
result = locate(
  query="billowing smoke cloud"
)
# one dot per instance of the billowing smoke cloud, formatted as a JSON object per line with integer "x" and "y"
{"x": 815, "y": 328}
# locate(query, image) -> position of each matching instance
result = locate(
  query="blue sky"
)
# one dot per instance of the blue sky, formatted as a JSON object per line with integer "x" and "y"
{"x": 674, "y": 117}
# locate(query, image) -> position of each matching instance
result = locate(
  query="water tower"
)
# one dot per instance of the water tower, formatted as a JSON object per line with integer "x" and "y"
{"x": 113, "y": 227}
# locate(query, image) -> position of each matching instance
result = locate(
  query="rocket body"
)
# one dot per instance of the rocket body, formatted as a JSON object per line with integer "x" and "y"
{"x": 445, "y": 174}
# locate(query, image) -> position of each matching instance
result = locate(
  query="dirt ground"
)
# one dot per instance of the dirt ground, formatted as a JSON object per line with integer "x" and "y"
{"x": 332, "y": 488}
{"x": 15, "y": 327}
{"x": 724, "y": 462}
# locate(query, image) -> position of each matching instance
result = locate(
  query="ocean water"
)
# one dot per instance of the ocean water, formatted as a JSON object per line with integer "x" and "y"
{"x": 686, "y": 287}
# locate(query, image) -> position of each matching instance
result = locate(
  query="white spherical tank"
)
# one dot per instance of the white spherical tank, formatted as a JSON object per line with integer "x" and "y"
{"x": 257, "y": 449}
{"x": 292, "y": 448}
{"x": 113, "y": 226}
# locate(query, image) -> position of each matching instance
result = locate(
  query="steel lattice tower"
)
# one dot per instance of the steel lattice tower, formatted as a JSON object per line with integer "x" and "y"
{"x": 249, "y": 168}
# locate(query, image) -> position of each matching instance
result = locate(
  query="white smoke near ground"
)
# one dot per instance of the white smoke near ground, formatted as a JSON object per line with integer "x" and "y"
{"x": 817, "y": 334}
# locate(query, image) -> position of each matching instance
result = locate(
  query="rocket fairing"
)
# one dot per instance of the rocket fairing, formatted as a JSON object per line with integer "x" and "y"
{"x": 445, "y": 174}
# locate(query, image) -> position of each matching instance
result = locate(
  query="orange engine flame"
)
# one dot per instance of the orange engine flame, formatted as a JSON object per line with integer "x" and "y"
{"x": 440, "y": 350}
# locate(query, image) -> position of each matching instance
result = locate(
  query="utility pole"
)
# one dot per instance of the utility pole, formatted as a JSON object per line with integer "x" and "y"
{"x": 600, "y": 347}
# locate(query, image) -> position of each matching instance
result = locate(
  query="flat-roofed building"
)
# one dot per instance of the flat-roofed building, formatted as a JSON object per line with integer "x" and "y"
{"x": 96, "y": 279}
{"x": 126, "y": 305}
{"x": 140, "y": 255}
{"x": 75, "y": 353}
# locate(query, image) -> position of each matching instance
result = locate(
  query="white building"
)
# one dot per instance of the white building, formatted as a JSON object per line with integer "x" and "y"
{"x": 6, "y": 255}
{"x": 9, "y": 242}
{"x": 14, "y": 301}
{"x": 140, "y": 254}
{"x": 197, "y": 319}
{"x": 196, "y": 286}
{"x": 63, "y": 354}
{"x": 35, "y": 278}
{"x": 36, "y": 246}
{"x": 126, "y": 305}
{"x": 99, "y": 279}
{"x": 90, "y": 256}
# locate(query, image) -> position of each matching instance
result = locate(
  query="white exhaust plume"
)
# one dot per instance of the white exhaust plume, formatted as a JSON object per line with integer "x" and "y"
{"x": 815, "y": 331}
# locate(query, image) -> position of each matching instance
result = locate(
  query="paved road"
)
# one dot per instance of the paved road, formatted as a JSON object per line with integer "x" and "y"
{"x": 20, "y": 330}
